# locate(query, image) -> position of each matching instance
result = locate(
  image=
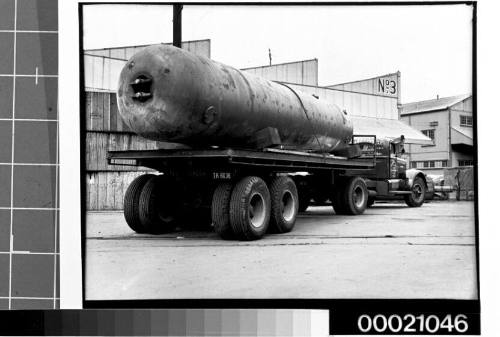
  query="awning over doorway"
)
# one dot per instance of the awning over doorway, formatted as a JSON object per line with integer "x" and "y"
{"x": 388, "y": 128}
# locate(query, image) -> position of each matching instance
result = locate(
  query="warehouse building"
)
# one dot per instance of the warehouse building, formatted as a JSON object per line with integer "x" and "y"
{"x": 448, "y": 121}
{"x": 374, "y": 105}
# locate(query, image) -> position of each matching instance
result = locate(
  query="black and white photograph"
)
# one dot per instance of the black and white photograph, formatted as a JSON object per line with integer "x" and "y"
{"x": 265, "y": 151}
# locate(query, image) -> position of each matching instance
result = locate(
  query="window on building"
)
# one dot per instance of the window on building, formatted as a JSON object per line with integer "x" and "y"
{"x": 466, "y": 162}
{"x": 429, "y": 133}
{"x": 465, "y": 120}
{"x": 429, "y": 164}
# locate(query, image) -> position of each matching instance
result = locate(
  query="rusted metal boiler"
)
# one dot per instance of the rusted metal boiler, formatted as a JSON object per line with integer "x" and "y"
{"x": 169, "y": 94}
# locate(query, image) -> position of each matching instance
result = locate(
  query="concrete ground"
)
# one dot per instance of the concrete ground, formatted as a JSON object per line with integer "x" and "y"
{"x": 391, "y": 251}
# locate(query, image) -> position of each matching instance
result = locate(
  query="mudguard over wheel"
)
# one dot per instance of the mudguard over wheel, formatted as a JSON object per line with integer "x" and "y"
{"x": 250, "y": 208}
{"x": 351, "y": 197}
{"x": 158, "y": 206}
{"x": 131, "y": 203}
{"x": 417, "y": 196}
{"x": 220, "y": 210}
{"x": 284, "y": 204}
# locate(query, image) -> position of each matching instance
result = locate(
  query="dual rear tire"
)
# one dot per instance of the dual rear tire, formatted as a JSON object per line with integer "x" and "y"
{"x": 247, "y": 209}
{"x": 244, "y": 210}
{"x": 150, "y": 206}
{"x": 250, "y": 208}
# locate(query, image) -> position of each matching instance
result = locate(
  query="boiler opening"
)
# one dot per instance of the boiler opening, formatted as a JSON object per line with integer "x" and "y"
{"x": 141, "y": 87}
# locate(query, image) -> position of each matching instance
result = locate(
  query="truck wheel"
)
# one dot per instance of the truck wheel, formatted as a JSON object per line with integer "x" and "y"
{"x": 131, "y": 203}
{"x": 417, "y": 196}
{"x": 250, "y": 208}
{"x": 220, "y": 210}
{"x": 284, "y": 204}
{"x": 370, "y": 202}
{"x": 351, "y": 197}
{"x": 158, "y": 206}
{"x": 356, "y": 196}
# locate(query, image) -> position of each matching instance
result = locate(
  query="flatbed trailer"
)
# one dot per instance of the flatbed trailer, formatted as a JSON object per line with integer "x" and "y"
{"x": 281, "y": 160}
{"x": 242, "y": 193}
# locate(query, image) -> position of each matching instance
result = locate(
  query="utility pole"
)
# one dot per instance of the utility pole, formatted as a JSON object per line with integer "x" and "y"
{"x": 177, "y": 25}
{"x": 270, "y": 57}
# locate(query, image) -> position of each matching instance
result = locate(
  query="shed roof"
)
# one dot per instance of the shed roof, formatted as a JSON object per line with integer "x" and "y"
{"x": 388, "y": 128}
{"x": 432, "y": 104}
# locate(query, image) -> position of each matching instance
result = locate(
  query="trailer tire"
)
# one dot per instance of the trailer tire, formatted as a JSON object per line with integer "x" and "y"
{"x": 131, "y": 203}
{"x": 250, "y": 208}
{"x": 417, "y": 197}
{"x": 284, "y": 204}
{"x": 158, "y": 207}
{"x": 220, "y": 210}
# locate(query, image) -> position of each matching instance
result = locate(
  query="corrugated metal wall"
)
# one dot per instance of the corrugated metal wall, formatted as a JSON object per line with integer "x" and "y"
{"x": 385, "y": 85}
{"x": 199, "y": 47}
{"x": 356, "y": 104}
{"x": 99, "y": 143}
{"x": 103, "y": 66}
{"x": 301, "y": 72}
{"x": 102, "y": 112}
{"x": 106, "y": 184}
{"x": 105, "y": 190}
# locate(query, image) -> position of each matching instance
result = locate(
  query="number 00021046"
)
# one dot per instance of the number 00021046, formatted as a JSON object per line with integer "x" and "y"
{"x": 410, "y": 323}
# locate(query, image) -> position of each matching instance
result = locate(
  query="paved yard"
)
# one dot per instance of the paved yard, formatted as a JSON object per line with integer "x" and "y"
{"x": 391, "y": 251}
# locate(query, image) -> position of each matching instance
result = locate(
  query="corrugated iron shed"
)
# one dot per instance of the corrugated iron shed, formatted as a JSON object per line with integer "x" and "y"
{"x": 299, "y": 72}
{"x": 432, "y": 104}
{"x": 383, "y": 85}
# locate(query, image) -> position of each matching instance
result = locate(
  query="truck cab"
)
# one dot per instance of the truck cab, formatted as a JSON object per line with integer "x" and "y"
{"x": 391, "y": 178}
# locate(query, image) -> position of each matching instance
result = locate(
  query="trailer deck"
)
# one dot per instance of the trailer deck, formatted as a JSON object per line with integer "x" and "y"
{"x": 275, "y": 158}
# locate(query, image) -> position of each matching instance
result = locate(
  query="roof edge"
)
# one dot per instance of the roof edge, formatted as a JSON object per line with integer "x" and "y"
{"x": 460, "y": 99}
{"x": 143, "y": 45}
{"x": 280, "y": 64}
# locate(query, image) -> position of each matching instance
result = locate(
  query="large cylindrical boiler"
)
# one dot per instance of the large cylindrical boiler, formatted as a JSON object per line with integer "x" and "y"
{"x": 169, "y": 94}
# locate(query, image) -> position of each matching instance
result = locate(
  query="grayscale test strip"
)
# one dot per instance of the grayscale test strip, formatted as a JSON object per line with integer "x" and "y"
{"x": 29, "y": 160}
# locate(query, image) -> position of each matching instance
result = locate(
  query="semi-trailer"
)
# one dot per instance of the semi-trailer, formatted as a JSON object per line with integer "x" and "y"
{"x": 254, "y": 151}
